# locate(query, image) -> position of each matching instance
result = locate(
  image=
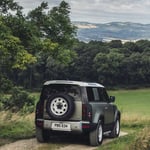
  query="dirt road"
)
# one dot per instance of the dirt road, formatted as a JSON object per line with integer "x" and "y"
{"x": 32, "y": 144}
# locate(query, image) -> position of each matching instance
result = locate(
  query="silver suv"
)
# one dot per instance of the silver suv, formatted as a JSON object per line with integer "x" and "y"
{"x": 76, "y": 107}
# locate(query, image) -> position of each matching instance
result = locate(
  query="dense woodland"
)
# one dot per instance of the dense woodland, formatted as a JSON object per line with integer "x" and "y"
{"x": 42, "y": 45}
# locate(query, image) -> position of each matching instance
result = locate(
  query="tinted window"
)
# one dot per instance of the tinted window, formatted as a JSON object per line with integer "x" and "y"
{"x": 105, "y": 96}
{"x": 93, "y": 94}
{"x": 90, "y": 94}
{"x": 97, "y": 94}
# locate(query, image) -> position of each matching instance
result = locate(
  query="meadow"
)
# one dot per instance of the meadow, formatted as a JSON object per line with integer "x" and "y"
{"x": 134, "y": 106}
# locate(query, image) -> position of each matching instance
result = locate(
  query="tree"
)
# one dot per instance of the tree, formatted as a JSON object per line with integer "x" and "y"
{"x": 83, "y": 65}
{"x": 24, "y": 30}
{"x": 59, "y": 28}
{"x": 55, "y": 24}
{"x": 53, "y": 58}
{"x": 108, "y": 67}
{"x": 39, "y": 18}
{"x": 143, "y": 44}
{"x": 136, "y": 69}
{"x": 13, "y": 56}
{"x": 115, "y": 44}
{"x": 132, "y": 47}
{"x": 29, "y": 40}
{"x": 14, "y": 53}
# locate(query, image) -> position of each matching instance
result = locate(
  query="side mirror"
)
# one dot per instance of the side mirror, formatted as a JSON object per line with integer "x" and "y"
{"x": 112, "y": 99}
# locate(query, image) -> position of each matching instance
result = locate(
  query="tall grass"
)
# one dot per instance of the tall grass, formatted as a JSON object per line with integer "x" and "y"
{"x": 142, "y": 141}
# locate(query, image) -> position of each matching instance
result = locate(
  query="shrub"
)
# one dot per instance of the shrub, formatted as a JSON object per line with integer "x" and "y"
{"x": 5, "y": 85}
{"x": 3, "y": 102}
{"x": 19, "y": 100}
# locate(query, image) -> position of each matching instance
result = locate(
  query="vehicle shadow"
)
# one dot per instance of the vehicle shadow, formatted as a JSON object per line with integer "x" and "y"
{"x": 69, "y": 139}
{"x": 72, "y": 139}
{"x": 66, "y": 138}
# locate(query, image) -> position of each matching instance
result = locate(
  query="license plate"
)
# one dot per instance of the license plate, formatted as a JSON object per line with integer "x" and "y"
{"x": 61, "y": 126}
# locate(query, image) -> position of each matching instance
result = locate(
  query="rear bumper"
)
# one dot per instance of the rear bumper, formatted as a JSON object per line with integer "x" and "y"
{"x": 74, "y": 126}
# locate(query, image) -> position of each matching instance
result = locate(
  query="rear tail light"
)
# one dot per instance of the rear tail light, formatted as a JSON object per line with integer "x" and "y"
{"x": 39, "y": 123}
{"x": 39, "y": 115}
{"x": 86, "y": 112}
{"x": 85, "y": 126}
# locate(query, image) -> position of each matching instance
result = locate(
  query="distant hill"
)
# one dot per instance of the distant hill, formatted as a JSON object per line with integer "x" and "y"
{"x": 125, "y": 31}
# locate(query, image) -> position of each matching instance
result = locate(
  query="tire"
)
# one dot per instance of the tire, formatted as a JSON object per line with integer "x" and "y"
{"x": 116, "y": 130}
{"x": 60, "y": 106}
{"x": 41, "y": 135}
{"x": 96, "y": 136}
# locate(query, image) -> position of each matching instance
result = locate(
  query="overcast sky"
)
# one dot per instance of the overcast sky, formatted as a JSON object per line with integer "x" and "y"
{"x": 100, "y": 11}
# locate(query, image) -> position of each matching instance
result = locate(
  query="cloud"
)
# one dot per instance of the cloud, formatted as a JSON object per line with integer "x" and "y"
{"x": 114, "y": 10}
{"x": 101, "y": 10}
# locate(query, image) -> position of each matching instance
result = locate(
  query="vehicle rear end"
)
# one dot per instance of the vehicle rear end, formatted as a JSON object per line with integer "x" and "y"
{"x": 62, "y": 107}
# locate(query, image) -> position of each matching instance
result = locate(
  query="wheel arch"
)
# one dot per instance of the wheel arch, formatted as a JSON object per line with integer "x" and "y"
{"x": 117, "y": 115}
{"x": 101, "y": 118}
{"x": 98, "y": 117}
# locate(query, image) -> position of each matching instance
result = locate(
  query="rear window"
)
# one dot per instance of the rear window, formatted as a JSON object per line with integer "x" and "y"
{"x": 72, "y": 90}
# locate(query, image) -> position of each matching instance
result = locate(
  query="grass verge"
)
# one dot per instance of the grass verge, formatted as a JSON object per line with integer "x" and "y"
{"x": 14, "y": 126}
{"x": 121, "y": 143}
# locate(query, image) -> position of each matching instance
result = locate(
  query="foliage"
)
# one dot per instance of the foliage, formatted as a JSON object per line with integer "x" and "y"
{"x": 37, "y": 46}
{"x": 62, "y": 30}
{"x": 22, "y": 59}
{"x": 6, "y": 5}
{"x": 108, "y": 66}
{"x": 114, "y": 63}
{"x": 5, "y": 85}
{"x": 14, "y": 54}
{"x": 19, "y": 100}
{"x": 55, "y": 24}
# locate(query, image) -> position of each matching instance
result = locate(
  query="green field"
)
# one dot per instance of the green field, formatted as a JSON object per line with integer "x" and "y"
{"x": 134, "y": 104}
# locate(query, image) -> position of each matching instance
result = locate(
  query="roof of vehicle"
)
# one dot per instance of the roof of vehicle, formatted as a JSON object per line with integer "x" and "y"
{"x": 80, "y": 83}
